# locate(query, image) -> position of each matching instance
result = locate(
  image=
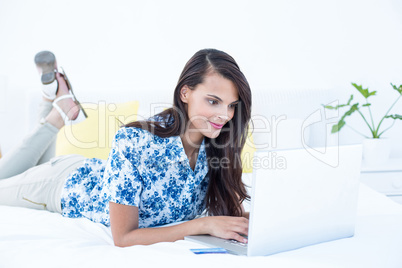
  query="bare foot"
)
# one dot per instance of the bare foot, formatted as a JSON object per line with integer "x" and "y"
{"x": 69, "y": 107}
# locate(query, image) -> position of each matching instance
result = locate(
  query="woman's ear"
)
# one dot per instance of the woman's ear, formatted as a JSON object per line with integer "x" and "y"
{"x": 184, "y": 94}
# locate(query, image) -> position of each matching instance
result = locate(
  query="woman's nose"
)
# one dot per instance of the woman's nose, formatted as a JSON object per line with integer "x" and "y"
{"x": 223, "y": 117}
{"x": 224, "y": 114}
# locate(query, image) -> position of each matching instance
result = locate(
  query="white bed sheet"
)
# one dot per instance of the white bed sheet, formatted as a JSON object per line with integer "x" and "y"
{"x": 31, "y": 238}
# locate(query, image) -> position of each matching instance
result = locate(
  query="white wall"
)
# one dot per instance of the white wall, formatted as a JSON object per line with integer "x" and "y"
{"x": 132, "y": 47}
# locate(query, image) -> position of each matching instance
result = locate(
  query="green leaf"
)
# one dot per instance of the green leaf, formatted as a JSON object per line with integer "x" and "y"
{"x": 334, "y": 107}
{"x": 338, "y": 106}
{"x": 364, "y": 91}
{"x": 399, "y": 89}
{"x": 337, "y": 127}
{"x": 367, "y": 104}
{"x": 352, "y": 109}
{"x": 394, "y": 116}
{"x": 341, "y": 123}
{"x": 329, "y": 107}
{"x": 350, "y": 99}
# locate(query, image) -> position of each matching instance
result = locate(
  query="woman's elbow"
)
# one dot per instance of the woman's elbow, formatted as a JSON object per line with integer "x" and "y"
{"x": 119, "y": 241}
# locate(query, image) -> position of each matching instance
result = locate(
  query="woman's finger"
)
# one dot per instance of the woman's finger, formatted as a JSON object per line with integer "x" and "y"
{"x": 239, "y": 238}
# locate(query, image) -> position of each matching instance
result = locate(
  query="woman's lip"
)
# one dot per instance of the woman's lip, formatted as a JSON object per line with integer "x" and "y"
{"x": 216, "y": 125}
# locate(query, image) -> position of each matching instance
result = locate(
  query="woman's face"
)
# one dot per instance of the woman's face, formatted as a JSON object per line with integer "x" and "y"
{"x": 210, "y": 105}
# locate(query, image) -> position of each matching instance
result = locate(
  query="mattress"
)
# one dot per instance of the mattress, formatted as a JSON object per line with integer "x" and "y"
{"x": 33, "y": 238}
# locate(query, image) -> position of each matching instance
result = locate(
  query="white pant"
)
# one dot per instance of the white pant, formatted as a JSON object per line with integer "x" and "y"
{"x": 39, "y": 187}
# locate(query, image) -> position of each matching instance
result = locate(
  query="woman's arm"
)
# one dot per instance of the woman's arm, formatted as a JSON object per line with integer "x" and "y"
{"x": 125, "y": 231}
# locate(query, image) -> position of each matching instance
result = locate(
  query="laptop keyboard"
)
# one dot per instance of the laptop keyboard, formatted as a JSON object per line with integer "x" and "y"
{"x": 235, "y": 242}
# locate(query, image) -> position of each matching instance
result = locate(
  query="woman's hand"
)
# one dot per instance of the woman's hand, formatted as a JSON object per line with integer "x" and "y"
{"x": 227, "y": 227}
{"x": 125, "y": 231}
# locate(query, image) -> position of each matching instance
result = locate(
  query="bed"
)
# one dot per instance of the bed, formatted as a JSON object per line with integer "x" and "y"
{"x": 33, "y": 238}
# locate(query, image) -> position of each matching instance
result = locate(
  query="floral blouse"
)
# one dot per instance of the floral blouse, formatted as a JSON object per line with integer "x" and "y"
{"x": 142, "y": 170}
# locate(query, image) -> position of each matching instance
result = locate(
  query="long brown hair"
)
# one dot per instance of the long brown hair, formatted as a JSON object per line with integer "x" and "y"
{"x": 226, "y": 190}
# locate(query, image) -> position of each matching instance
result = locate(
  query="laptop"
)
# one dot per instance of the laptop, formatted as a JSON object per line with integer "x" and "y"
{"x": 299, "y": 197}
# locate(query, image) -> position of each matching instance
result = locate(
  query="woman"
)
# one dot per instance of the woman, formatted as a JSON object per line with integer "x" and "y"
{"x": 167, "y": 169}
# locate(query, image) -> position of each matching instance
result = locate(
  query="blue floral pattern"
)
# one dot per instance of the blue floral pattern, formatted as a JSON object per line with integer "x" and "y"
{"x": 142, "y": 170}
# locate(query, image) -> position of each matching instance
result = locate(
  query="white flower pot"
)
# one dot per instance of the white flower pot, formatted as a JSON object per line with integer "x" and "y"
{"x": 376, "y": 151}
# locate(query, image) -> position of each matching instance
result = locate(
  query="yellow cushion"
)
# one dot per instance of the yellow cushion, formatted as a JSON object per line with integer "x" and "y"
{"x": 247, "y": 154}
{"x": 93, "y": 137}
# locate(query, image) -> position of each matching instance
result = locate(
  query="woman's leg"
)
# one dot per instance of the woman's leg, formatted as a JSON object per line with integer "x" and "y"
{"x": 22, "y": 181}
{"x": 40, "y": 187}
{"x": 44, "y": 109}
{"x": 28, "y": 153}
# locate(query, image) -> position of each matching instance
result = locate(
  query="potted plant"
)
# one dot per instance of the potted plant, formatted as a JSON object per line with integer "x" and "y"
{"x": 376, "y": 148}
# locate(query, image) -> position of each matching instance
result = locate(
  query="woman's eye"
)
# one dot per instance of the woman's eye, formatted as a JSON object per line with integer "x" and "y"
{"x": 212, "y": 102}
{"x": 232, "y": 106}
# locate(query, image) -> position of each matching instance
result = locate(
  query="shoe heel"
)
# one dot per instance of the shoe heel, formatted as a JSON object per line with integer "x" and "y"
{"x": 46, "y": 61}
{"x": 48, "y": 78}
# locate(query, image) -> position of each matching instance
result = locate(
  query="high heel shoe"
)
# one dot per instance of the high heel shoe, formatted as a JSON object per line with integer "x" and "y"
{"x": 82, "y": 115}
{"x": 46, "y": 63}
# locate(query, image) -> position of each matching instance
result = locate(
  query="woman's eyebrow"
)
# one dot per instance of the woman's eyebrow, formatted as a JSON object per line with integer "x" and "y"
{"x": 221, "y": 99}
